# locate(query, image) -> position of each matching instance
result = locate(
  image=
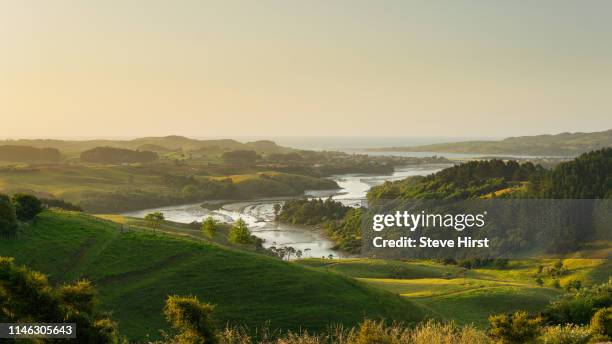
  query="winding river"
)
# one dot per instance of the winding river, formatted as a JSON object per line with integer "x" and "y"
{"x": 259, "y": 213}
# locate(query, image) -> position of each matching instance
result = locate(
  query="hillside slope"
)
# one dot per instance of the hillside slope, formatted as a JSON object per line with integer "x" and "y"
{"x": 564, "y": 144}
{"x": 468, "y": 296}
{"x": 135, "y": 271}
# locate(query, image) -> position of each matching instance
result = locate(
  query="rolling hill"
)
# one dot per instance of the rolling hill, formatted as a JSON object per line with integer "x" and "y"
{"x": 172, "y": 142}
{"x": 564, "y": 144}
{"x": 134, "y": 271}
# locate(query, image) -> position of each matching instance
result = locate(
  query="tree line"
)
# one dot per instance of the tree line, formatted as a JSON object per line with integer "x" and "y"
{"x": 111, "y": 155}
{"x": 12, "y": 153}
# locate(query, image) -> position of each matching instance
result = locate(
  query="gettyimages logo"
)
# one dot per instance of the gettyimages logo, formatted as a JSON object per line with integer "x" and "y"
{"x": 412, "y": 222}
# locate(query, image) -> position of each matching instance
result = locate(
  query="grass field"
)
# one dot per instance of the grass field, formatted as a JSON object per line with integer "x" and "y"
{"x": 136, "y": 270}
{"x": 449, "y": 292}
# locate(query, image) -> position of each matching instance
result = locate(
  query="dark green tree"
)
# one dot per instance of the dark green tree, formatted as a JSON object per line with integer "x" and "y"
{"x": 26, "y": 206}
{"x": 8, "y": 218}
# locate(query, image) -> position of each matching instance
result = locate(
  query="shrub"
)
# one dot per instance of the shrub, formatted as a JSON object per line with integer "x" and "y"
{"x": 27, "y": 296}
{"x": 517, "y": 328}
{"x": 566, "y": 334}
{"x": 601, "y": 323}
{"x": 192, "y": 319}
{"x": 432, "y": 332}
{"x": 26, "y": 206}
{"x": 372, "y": 332}
{"x": 579, "y": 306}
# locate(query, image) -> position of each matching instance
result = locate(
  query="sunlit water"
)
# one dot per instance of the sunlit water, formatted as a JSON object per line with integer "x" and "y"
{"x": 259, "y": 214}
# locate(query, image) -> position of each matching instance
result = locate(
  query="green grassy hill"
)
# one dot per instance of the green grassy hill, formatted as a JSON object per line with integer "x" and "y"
{"x": 449, "y": 292}
{"x": 135, "y": 271}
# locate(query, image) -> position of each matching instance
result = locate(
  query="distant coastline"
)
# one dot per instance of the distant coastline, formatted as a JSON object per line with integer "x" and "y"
{"x": 560, "y": 145}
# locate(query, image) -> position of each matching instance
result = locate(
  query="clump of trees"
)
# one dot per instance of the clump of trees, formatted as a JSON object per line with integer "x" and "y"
{"x": 21, "y": 207}
{"x": 285, "y": 252}
{"x": 465, "y": 181}
{"x": 27, "y": 296}
{"x": 311, "y": 212}
{"x": 111, "y": 155}
{"x": 13, "y": 153}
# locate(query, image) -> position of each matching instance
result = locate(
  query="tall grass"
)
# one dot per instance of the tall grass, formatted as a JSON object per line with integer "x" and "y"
{"x": 368, "y": 332}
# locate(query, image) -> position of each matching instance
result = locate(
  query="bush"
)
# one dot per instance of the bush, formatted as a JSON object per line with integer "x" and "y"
{"x": 26, "y": 206}
{"x": 368, "y": 332}
{"x": 601, "y": 323}
{"x": 566, "y": 334}
{"x": 517, "y": 328}
{"x": 192, "y": 319}
{"x": 8, "y": 217}
{"x": 432, "y": 332}
{"x": 372, "y": 332}
{"x": 27, "y": 296}
{"x": 579, "y": 306}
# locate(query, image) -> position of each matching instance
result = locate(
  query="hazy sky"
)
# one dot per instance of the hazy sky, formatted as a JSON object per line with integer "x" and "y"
{"x": 257, "y": 68}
